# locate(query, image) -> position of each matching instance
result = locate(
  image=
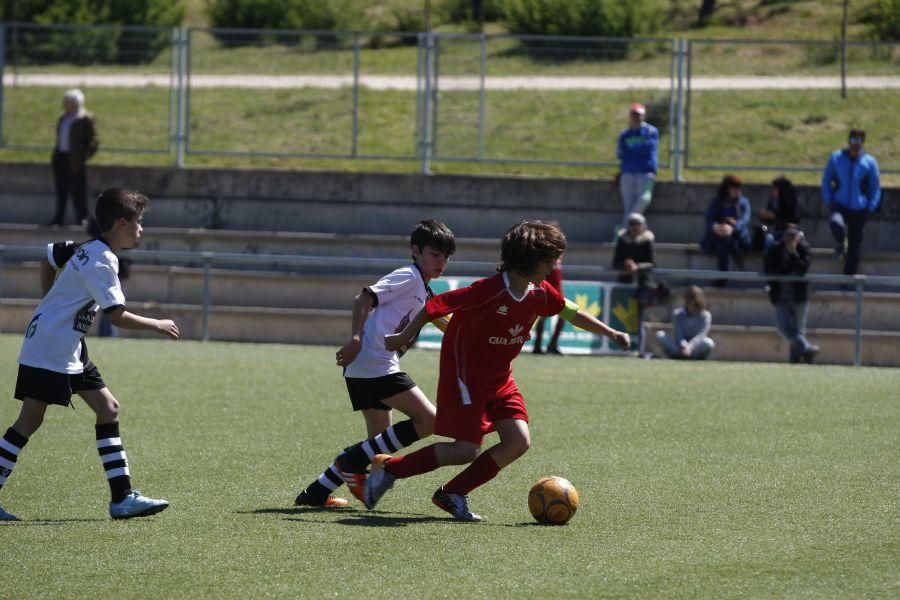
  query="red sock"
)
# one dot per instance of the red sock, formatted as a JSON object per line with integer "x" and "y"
{"x": 482, "y": 470}
{"x": 415, "y": 463}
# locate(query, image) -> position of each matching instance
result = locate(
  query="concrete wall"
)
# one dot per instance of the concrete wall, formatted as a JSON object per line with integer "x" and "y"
{"x": 387, "y": 204}
{"x": 229, "y": 288}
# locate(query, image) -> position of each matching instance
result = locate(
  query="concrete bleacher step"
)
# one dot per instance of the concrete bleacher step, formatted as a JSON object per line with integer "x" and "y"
{"x": 272, "y": 289}
{"x": 226, "y": 323}
{"x": 669, "y": 255}
{"x": 330, "y": 327}
{"x": 827, "y": 309}
{"x": 764, "y": 344}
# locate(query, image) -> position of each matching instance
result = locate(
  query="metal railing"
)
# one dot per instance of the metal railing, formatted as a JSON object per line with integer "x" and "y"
{"x": 208, "y": 260}
{"x": 437, "y": 97}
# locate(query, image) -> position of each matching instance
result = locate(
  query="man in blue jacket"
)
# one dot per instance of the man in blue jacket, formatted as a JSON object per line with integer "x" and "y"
{"x": 636, "y": 150}
{"x": 852, "y": 189}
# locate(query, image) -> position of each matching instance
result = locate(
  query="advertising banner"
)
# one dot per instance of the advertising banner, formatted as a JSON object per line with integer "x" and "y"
{"x": 615, "y": 304}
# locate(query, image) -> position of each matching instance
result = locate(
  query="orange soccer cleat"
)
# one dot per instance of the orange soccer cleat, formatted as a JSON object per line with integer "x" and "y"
{"x": 305, "y": 499}
{"x": 355, "y": 480}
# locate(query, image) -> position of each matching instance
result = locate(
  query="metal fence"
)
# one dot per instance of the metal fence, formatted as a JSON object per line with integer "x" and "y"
{"x": 431, "y": 97}
{"x": 286, "y": 263}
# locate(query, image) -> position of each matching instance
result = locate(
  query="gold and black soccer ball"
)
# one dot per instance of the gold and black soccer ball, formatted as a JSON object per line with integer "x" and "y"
{"x": 553, "y": 500}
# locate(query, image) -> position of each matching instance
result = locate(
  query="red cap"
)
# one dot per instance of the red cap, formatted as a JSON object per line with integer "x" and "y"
{"x": 638, "y": 108}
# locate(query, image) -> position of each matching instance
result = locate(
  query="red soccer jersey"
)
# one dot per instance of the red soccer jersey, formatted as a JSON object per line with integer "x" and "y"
{"x": 487, "y": 331}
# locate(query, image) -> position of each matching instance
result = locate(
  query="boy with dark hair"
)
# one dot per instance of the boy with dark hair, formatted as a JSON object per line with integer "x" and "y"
{"x": 373, "y": 376}
{"x": 54, "y": 361}
{"x": 476, "y": 391}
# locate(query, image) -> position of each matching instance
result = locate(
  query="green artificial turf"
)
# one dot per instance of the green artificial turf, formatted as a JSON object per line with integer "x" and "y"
{"x": 696, "y": 481}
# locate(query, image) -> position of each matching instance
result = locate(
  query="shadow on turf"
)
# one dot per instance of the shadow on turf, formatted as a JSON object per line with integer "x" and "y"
{"x": 296, "y": 510}
{"x": 35, "y": 522}
{"x": 371, "y": 518}
{"x": 363, "y": 519}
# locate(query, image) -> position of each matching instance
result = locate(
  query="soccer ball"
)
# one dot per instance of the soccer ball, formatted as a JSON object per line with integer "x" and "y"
{"x": 553, "y": 500}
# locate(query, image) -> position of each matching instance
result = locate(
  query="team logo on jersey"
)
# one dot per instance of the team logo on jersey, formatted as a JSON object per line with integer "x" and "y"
{"x": 85, "y": 318}
{"x": 516, "y": 336}
{"x": 503, "y": 310}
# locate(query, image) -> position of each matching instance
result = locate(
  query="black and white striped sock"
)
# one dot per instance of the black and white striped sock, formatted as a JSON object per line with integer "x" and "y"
{"x": 11, "y": 444}
{"x": 115, "y": 463}
{"x": 324, "y": 484}
{"x": 395, "y": 437}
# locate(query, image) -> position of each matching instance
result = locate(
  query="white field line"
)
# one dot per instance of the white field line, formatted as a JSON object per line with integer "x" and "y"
{"x": 451, "y": 83}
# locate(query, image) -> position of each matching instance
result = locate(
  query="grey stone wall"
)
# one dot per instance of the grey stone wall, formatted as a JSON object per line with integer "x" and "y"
{"x": 338, "y": 202}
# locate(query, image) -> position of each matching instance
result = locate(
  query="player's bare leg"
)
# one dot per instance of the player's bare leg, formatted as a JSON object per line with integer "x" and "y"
{"x": 452, "y": 497}
{"x": 31, "y": 416}
{"x": 354, "y": 461}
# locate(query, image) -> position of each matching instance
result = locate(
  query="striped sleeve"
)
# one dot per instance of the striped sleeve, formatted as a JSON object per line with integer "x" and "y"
{"x": 58, "y": 254}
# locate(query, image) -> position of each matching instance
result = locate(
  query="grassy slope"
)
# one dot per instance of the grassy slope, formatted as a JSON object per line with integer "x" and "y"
{"x": 697, "y": 480}
{"x": 752, "y": 128}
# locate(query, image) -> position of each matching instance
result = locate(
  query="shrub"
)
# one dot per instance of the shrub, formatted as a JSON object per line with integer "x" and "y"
{"x": 334, "y": 15}
{"x": 882, "y": 18}
{"x": 87, "y": 46}
{"x": 460, "y": 11}
{"x": 608, "y": 18}
{"x": 316, "y": 15}
{"x": 589, "y": 18}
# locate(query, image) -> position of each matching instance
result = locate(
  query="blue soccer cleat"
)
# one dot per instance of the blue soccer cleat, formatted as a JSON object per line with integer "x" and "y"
{"x": 5, "y": 516}
{"x": 136, "y": 505}
{"x": 455, "y": 504}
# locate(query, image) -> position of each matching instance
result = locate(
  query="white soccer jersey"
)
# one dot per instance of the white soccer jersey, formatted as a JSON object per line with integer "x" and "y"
{"x": 400, "y": 295}
{"x": 88, "y": 280}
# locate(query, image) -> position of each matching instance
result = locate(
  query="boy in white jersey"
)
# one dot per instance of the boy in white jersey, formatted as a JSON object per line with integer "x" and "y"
{"x": 54, "y": 362}
{"x": 373, "y": 376}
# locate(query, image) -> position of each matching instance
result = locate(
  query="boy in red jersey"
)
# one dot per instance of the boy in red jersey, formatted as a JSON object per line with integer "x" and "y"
{"x": 476, "y": 392}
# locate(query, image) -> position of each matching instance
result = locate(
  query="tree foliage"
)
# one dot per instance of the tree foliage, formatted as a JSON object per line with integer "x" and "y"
{"x": 84, "y": 45}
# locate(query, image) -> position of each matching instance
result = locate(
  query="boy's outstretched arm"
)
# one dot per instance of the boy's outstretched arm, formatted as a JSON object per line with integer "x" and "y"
{"x": 362, "y": 308}
{"x": 397, "y": 341}
{"x": 126, "y": 320}
{"x": 588, "y": 322}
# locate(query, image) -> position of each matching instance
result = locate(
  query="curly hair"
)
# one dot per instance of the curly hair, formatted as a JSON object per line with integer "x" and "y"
{"x": 528, "y": 243}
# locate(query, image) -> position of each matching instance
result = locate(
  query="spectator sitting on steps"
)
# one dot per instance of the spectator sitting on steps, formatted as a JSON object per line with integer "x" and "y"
{"x": 727, "y": 225}
{"x": 691, "y": 325}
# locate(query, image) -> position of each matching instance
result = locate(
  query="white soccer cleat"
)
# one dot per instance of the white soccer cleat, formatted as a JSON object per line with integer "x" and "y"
{"x": 5, "y": 516}
{"x": 136, "y": 505}
{"x": 378, "y": 482}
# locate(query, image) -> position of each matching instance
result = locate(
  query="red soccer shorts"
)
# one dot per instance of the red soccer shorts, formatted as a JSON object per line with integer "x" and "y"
{"x": 471, "y": 422}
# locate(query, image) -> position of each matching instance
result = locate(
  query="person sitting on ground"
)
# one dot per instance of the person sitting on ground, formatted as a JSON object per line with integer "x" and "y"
{"x": 791, "y": 256}
{"x": 727, "y": 224}
{"x": 781, "y": 210}
{"x": 690, "y": 336}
